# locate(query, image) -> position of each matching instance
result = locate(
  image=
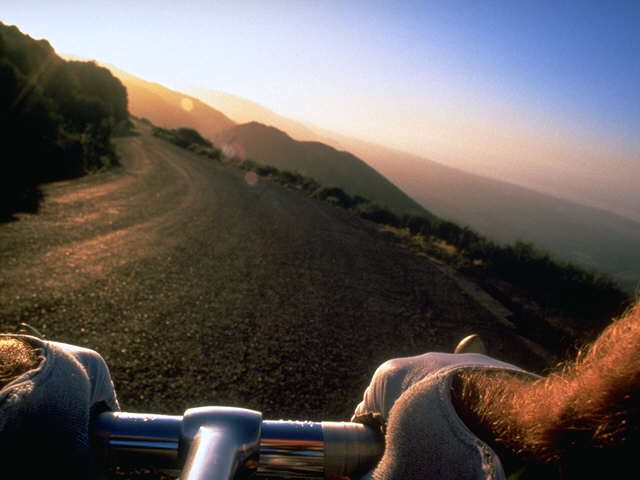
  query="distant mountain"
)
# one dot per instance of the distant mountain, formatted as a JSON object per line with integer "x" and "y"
{"x": 502, "y": 211}
{"x": 170, "y": 109}
{"x": 241, "y": 110}
{"x": 327, "y": 165}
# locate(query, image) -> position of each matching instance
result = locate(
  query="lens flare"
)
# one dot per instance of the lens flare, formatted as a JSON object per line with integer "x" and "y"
{"x": 186, "y": 104}
{"x": 233, "y": 150}
{"x": 251, "y": 178}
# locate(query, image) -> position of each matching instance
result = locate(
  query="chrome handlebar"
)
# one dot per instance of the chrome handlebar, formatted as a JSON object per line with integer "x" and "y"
{"x": 221, "y": 442}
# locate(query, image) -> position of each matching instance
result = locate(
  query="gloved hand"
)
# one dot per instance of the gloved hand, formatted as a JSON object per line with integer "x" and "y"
{"x": 410, "y": 399}
{"x": 45, "y": 413}
{"x": 102, "y": 392}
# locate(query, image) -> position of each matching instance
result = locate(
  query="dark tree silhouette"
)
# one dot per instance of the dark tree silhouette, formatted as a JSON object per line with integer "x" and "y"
{"x": 56, "y": 118}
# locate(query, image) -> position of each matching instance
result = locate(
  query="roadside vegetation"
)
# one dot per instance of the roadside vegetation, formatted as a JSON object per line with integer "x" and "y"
{"x": 188, "y": 138}
{"x": 57, "y": 118}
{"x": 554, "y": 302}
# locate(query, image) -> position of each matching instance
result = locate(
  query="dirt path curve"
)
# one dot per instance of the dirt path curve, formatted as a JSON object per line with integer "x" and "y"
{"x": 201, "y": 289}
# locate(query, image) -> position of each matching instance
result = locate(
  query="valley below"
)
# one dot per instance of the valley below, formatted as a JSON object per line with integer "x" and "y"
{"x": 200, "y": 287}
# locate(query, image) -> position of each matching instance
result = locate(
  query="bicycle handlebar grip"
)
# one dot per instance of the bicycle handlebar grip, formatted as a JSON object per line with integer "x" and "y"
{"x": 218, "y": 442}
{"x": 350, "y": 449}
{"x": 137, "y": 439}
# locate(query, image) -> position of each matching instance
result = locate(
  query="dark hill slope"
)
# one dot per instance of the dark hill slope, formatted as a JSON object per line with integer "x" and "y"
{"x": 505, "y": 212}
{"x": 327, "y": 165}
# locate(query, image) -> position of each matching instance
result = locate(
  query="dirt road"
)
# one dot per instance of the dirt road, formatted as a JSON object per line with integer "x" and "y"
{"x": 199, "y": 288}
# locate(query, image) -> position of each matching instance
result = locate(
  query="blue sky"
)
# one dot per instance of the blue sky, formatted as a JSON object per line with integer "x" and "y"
{"x": 540, "y": 93}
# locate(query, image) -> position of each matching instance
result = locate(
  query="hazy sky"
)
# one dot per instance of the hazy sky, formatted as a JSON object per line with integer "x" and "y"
{"x": 542, "y": 93}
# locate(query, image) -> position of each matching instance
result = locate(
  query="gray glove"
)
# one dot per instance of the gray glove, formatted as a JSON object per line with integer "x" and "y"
{"x": 45, "y": 413}
{"x": 409, "y": 398}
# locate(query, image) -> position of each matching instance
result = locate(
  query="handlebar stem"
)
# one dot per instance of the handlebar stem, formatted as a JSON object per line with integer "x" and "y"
{"x": 219, "y": 442}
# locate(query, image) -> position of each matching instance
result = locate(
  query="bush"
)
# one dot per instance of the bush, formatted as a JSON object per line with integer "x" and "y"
{"x": 248, "y": 165}
{"x": 358, "y": 200}
{"x": 266, "y": 170}
{"x": 214, "y": 153}
{"x": 573, "y": 290}
{"x": 377, "y": 214}
{"x": 336, "y": 196}
{"x": 417, "y": 225}
{"x": 190, "y": 136}
{"x": 309, "y": 185}
{"x": 286, "y": 177}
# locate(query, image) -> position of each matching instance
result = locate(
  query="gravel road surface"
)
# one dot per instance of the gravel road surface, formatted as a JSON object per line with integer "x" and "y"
{"x": 199, "y": 288}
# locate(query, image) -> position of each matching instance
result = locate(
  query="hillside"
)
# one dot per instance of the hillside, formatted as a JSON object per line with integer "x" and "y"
{"x": 170, "y": 109}
{"x": 325, "y": 164}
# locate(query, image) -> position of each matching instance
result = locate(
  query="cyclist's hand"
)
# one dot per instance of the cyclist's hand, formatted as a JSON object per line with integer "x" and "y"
{"x": 399, "y": 401}
{"x": 102, "y": 393}
{"x": 389, "y": 382}
{"x": 52, "y": 405}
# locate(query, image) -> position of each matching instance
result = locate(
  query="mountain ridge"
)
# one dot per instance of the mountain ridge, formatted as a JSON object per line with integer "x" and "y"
{"x": 329, "y": 166}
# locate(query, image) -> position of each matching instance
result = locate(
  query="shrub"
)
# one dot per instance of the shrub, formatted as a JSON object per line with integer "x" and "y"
{"x": 568, "y": 288}
{"x": 287, "y": 177}
{"x": 248, "y": 165}
{"x": 377, "y": 214}
{"x": 336, "y": 196}
{"x": 189, "y": 136}
{"x": 358, "y": 200}
{"x": 417, "y": 225}
{"x": 214, "y": 153}
{"x": 266, "y": 170}
{"x": 448, "y": 231}
{"x": 309, "y": 185}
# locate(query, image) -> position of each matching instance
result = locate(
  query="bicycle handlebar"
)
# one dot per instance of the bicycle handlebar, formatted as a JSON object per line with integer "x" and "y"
{"x": 218, "y": 442}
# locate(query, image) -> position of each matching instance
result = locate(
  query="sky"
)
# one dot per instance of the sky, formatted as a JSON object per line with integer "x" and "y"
{"x": 541, "y": 93}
